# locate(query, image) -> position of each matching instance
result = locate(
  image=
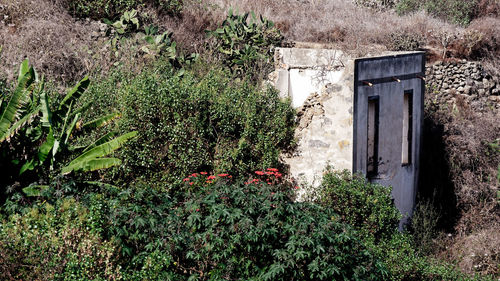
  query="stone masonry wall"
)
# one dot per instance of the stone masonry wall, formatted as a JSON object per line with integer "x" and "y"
{"x": 463, "y": 79}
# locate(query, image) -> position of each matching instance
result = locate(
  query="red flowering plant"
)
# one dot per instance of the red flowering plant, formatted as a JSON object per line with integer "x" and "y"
{"x": 270, "y": 177}
{"x": 203, "y": 179}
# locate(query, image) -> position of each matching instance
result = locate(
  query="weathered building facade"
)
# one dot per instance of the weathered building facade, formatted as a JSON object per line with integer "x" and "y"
{"x": 360, "y": 114}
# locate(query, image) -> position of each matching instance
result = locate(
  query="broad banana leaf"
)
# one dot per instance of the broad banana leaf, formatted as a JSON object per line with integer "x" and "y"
{"x": 99, "y": 122}
{"x": 13, "y": 108}
{"x": 46, "y": 147}
{"x": 34, "y": 190}
{"x": 102, "y": 184}
{"x": 28, "y": 118}
{"x": 85, "y": 162}
{"x": 46, "y": 113}
{"x": 24, "y": 68}
{"x": 73, "y": 95}
{"x": 70, "y": 129}
{"x": 89, "y": 165}
{"x": 107, "y": 137}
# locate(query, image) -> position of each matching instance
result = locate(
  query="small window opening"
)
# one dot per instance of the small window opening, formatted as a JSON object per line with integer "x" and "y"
{"x": 407, "y": 127}
{"x": 372, "y": 133}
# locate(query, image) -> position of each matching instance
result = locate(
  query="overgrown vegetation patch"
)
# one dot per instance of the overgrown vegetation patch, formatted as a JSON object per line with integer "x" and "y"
{"x": 192, "y": 198}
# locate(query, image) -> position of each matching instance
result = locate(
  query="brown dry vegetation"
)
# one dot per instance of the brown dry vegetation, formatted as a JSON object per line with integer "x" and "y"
{"x": 463, "y": 164}
{"x": 65, "y": 49}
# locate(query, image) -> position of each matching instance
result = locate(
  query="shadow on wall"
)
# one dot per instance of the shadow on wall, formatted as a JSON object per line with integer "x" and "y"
{"x": 435, "y": 185}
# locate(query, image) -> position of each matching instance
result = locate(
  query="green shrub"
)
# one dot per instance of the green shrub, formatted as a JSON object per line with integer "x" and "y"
{"x": 172, "y": 7}
{"x": 56, "y": 242}
{"x": 405, "y": 263}
{"x": 188, "y": 123}
{"x": 366, "y": 206}
{"x": 455, "y": 11}
{"x": 369, "y": 209}
{"x": 247, "y": 45}
{"x": 251, "y": 231}
{"x": 424, "y": 226}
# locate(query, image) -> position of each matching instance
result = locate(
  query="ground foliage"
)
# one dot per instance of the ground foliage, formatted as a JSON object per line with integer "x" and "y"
{"x": 213, "y": 230}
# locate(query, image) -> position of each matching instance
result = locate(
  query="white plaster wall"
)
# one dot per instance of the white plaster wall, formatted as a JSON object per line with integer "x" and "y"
{"x": 320, "y": 85}
{"x": 304, "y": 82}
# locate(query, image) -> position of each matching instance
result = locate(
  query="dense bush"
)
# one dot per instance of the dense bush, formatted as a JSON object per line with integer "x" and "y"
{"x": 220, "y": 230}
{"x": 404, "y": 262}
{"x": 368, "y": 207}
{"x": 56, "y": 242}
{"x": 110, "y": 9}
{"x": 247, "y": 44}
{"x": 405, "y": 41}
{"x": 455, "y": 11}
{"x": 188, "y": 123}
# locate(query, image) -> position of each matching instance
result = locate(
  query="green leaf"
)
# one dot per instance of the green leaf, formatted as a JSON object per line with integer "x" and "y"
{"x": 23, "y": 70}
{"x": 74, "y": 94}
{"x": 149, "y": 39}
{"x": 102, "y": 184}
{"x": 13, "y": 108}
{"x": 27, "y": 166}
{"x": 34, "y": 190}
{"x": 99, "y": 122}
{"x": 92, "y": 165}
{"x": 85, "y": 162}
{"x": 70, "y": 129}
{"x": 26, "y": 119}
{"x": 107, "y": 137}
{"x": 45, "y": 148}
{"x": 46, "y": 113}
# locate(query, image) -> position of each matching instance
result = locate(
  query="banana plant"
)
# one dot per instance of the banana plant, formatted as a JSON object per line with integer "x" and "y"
{"x": 65, "y": 121}
{"x": 21, "y": 107}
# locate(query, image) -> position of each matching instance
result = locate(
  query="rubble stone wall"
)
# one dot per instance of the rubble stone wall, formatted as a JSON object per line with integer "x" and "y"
{"x": 448, "y": 81}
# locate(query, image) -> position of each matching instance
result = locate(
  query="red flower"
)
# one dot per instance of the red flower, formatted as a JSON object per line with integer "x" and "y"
{"x": 211, "y": 177}
{"x": 186, "y": 179}
{"x": 272, "y": 169}
{"x": 223, "y": 175}
{"x": 297, "y": 187}
{"x": 191, "y": 183}
{"x": 194, "y": 175}
{"x": 260, "y": 173}
{"x": 197, "y": 210}
{"x": 203, "y": 173}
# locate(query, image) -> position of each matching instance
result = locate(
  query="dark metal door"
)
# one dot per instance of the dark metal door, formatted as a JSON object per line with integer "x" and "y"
{"x": 388, "y": 102}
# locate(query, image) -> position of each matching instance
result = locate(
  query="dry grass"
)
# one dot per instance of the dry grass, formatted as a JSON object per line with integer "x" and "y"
{"x": 472, "y": 169}
{"x": 45, "y": 34}
{"x": 479, "y": 251}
